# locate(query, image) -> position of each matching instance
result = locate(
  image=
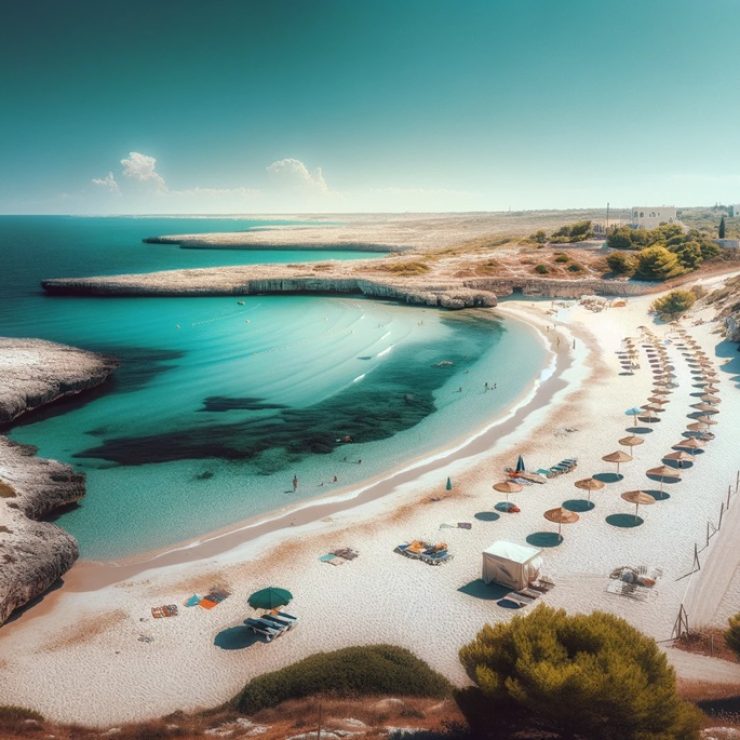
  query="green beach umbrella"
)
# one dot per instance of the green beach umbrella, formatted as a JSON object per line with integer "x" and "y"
{"x": 270, "y": 598}
{"x": 449, "y": 484}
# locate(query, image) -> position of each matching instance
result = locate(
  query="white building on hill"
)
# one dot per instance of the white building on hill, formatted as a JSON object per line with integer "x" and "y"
{"x": 648, "y": 217}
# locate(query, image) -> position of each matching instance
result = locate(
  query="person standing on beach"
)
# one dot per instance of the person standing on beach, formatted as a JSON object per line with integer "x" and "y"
{"x": 295, "y": 483}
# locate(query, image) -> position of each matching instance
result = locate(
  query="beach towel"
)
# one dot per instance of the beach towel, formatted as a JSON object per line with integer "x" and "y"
{"x": 194, "y": 600}
{"x": 327, "y": 558}
{"x": 206, "y": 603}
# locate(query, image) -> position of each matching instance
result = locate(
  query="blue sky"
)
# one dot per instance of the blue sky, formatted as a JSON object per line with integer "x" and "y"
{"x": 342, "y": 105}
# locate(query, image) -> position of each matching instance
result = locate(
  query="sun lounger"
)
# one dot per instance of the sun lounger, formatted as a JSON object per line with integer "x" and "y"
{"x": 285, "y": 615}
{"x": 260, "y": 627}
{"x": 280, "y": 622}
{"x": 347, "y": 553}
{"x": 464, "y": 525}
{"x": 516, "y": 599}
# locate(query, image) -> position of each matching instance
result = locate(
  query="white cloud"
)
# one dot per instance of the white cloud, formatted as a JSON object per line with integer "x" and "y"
{"x": 142, "y": 167}
{"x": 108, "y": 182}
{"x": 294, "y": 174}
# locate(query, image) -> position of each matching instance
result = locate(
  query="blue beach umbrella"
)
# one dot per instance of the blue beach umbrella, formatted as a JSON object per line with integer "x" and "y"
{"x": 634, "y": 411}
{"x": 520, "y": 465}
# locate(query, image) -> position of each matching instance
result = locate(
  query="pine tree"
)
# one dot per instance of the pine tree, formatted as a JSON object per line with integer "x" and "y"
{"x": 722, "y": 228}
{"x": 585, "y": 676}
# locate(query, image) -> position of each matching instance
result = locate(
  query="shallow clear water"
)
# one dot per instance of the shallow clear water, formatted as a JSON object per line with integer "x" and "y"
{"x": 217, "y": 405}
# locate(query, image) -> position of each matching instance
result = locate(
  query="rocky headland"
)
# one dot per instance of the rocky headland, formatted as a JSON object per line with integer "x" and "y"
{"x": 434, "y": 288}
{"x": 35, "y": 554}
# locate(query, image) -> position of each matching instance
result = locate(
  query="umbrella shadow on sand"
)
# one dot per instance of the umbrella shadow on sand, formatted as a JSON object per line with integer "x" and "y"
{"x": 235, "y": 638}
{"x": 657, "y": 495}
{"x": 481, "y": 590}
{"x": 487, "y": 516}
{"x": 608, "y": 477}
{"x": 544, "y": 539}
{"x": 626, "y": 521}
{"x": 578, "y": 505}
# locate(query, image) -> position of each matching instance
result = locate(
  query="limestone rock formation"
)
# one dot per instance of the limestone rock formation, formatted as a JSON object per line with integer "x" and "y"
{"x": 34, "y": 372}
{"x": 35, "y": 554}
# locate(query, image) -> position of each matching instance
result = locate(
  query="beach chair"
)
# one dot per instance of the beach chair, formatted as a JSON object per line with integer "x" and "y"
{"x": 280, "y": 622}
{"x": 285, "y": 615}
{"x": 261, "y": 627}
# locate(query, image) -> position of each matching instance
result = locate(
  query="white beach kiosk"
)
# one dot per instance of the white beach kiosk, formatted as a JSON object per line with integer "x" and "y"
{"x": 512, "y": 565}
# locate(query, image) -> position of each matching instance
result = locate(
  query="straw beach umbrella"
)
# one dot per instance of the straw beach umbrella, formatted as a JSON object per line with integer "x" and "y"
{"x": 662, "y": 473}
{"x": 589, "y": 484}
{"x": 507, "y": 487}
{"x": 705, "y": 408}
{"x": 689, "y": 444}
{"x": 706, "y": 420}
{"x": 679, "y": 457}
{"x": 637, "y": 498}
{"x": 709, "y": 398}
{"x": 632, "y": 441}
{"x": 561, "y": 516}
{"x": 617, "y": 457}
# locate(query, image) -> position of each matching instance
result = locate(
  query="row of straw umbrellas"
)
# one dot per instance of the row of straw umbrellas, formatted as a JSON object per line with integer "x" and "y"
{"x": 684, "y": 451}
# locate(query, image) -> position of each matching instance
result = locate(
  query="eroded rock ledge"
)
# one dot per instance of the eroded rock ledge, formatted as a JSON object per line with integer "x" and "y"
{"x": 443, "y": 291}
{"x": 34, "y": 554}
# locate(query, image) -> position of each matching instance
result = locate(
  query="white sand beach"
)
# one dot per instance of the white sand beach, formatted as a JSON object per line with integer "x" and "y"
{"x": 92, "y": 653}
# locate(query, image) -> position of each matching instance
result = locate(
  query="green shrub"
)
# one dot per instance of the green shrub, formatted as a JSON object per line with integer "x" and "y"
{"x": 575, "y": 267}
{"x": 621, "y": 264}
{"x": 542, "y": 269}
{"x": 562, "y": 257}
{"x": 581, "y": 676}
{"x": 657, "y": 263}
{"x": 689, "y": 254}
{"x": 354, "y": 671}
{"x": 539, "y": 236}
{"x": 732, "y": 636}
{"x": 569, "y": 233}
{"x": 673, "y": 304}
{"x": 620, "y": 238}
{"x": 14, "y": 719}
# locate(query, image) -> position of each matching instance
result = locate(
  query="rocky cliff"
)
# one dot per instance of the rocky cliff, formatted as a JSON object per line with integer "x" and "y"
{"x": 35, "y": 554}
{"x": 443, "y": 291}
{"x": 34, "y": 373}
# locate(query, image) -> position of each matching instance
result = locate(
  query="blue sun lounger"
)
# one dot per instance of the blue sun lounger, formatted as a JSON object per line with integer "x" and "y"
{"x": 262, "y": 627}
{"x": 281, "y": 623}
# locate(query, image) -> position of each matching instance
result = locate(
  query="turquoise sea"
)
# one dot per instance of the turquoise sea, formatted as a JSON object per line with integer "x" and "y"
{"x": 219, "y": 403}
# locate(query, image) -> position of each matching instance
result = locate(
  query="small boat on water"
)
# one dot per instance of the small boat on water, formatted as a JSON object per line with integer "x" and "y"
{"x": 240, "y": 303}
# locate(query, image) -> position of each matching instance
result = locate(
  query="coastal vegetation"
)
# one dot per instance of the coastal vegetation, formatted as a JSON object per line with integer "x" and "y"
{"x": 621, "y": 264}
{"x": 732, "y": 636}
{"x": 354, "y": 671}
{"x": 571, "y": 233}
{"x": 586, "y": 675}
{"x": 657, "y": 263}
{"x": 673, "y": 304}
{"x": 689, "y": 249}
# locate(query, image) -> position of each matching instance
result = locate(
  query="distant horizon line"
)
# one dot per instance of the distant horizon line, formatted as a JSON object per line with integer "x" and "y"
{"x": 236, "y": 215}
